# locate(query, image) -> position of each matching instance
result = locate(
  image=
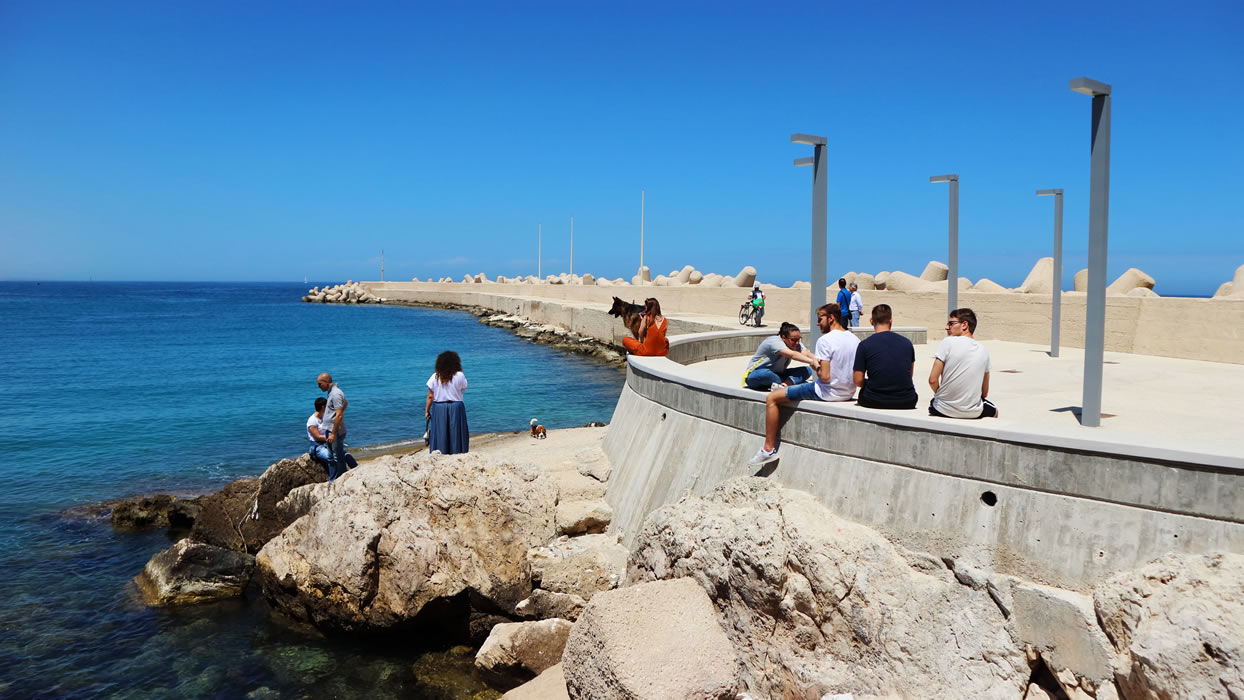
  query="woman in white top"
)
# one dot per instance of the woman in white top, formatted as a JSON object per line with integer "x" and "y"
{"x": 444, "y": 410}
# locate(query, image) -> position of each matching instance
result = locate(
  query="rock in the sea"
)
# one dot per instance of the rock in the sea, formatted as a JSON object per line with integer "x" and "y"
{"x": 193, "y": 572}
{"x": 400, "y": 542}
{"x": 523, "y": 650}
{"x": 141, "y": 512}
{"x": 580, "y": 566}
{"x": 661, "y": 639}
{"x": 1129, "y": 280}
{"x": 746, "y": 277}
{"x": 1178, "y": 625}
{"x": 817, "y": 604}
{"x": 243, "y": 515}
{"x": 550, "y": 685}
{"x": 935, "y": 271}
{"x": 1041, "y": 279}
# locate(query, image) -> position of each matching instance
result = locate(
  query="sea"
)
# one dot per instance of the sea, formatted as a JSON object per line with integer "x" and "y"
{"x": 117, "y": 389}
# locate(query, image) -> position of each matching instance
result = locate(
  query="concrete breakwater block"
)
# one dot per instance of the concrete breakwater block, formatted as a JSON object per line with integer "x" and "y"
{"x": 1040, "y": 279}
{"x": 1129, "y": 280}
{"x": 935, "y": 271}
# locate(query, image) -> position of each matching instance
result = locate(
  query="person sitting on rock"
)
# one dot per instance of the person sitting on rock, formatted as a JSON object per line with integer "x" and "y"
{"x": 318, "y": 435}
{"x": 885, "y": 362}
{"x": 960, "y": 375}
{"x": 652, "y": 327}
{"x": 769, "y": 368}
{"x": 835, "y": 353}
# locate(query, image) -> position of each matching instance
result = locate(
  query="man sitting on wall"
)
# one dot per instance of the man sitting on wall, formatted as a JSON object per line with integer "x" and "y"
{"x": 769, "y": 367}
{"x": 885, "y": 362}
{"x": 835, "y": 354}
{"x": 960, "y": 376}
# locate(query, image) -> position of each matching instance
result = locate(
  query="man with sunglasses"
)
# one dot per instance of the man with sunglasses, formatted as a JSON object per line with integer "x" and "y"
{"x": 960, "y": 376}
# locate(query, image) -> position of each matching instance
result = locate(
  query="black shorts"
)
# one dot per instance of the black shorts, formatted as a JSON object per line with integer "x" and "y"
{"x": 988, "y": 410}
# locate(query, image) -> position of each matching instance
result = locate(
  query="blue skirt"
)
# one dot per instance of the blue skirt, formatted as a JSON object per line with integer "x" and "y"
{"x": 447, "y": 431}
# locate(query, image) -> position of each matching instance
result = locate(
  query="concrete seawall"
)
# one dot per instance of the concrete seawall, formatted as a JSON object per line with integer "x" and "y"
{"x": 1195, "y": 329}
{"x": 1062, "y": 510}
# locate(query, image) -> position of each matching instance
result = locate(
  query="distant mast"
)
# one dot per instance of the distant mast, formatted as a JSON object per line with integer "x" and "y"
{"x": 641, "y": 228}
{"x": 382, "y": 264}
{"x": 572, "y": 246}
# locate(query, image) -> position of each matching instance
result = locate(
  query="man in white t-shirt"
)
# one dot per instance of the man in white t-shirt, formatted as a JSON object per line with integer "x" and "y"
{"x": 835, "y": 355}
{"x": 317, "y": 433}
{"x": 960, "y": 376}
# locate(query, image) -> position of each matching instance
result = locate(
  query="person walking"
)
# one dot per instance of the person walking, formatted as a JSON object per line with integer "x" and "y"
{"x": 444, "y": 410}
{"x": 334, "y": 416}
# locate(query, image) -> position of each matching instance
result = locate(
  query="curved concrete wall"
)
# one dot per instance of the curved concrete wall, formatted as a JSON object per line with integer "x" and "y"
{"x": 1061, "y": 510}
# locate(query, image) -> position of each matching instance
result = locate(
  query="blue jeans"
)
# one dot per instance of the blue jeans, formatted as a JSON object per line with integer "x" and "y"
{"x": 762, "y": 379}
{"x": 855, "y": 319}
{"x": 337, "y": 465}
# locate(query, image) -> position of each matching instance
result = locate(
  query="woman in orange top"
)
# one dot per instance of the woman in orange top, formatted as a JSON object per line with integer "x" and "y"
{"x": 652, "y": 327}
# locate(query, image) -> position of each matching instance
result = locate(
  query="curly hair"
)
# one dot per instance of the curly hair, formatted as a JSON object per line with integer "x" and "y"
{"x": 447, "y": 365}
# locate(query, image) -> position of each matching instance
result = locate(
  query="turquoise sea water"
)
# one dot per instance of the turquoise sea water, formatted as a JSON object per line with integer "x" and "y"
{"x": 114, "y": 389}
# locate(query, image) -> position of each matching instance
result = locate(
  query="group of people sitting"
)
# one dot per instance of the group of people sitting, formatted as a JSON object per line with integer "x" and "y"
{"x": 881, "y": 367}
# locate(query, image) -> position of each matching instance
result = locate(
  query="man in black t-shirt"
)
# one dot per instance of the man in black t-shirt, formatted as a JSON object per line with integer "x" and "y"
{"x": 884, "y": 365}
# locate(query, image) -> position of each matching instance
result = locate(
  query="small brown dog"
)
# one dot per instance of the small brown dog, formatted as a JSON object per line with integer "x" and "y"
{"x": 537, "y": 431}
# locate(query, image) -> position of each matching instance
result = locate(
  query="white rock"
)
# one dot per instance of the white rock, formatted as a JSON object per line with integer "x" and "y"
{"x": 1040, "y": 279}
{"x": 865, "y": 281}
{"x": 1080, "y": 283}
{"x": 1224, "y": 290}
{"x": 746, "y": 277}
{"x": 1129, "y": 280}
{"x": 988, "y": 286}
{"x": 523, "y": 650}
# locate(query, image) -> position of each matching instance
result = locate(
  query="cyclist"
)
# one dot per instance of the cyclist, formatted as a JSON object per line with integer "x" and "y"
{"x": 757, "y": 299}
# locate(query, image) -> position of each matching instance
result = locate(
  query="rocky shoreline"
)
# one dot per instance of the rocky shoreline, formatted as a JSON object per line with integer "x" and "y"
{"x": 752, "y": 591}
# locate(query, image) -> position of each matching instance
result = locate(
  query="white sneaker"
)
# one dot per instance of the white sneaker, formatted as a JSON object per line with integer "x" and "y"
{"x": 775, "y": 386}
{"x": 763, "y": 457}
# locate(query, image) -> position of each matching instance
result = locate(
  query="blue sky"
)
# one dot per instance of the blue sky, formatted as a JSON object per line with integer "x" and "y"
{"x": 266, "y": 141}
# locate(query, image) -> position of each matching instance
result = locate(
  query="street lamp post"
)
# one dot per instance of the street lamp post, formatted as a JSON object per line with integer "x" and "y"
{"x": 1057, "y": 301}
{"x": 1099, "y": 215}
{"x": 820, "y": 225}
{"x": 539, "y": 250}
{"x": 952, "y": 275}
{"x": 572, "y": 246}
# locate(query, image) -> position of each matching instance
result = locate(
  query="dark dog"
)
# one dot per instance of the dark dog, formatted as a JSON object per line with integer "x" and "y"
{"x": 629, "y": 313}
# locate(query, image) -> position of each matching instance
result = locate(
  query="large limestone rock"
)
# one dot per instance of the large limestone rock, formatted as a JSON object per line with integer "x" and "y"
{"x": 1080, "y": 283}
{"x": 583, "y": 517}
{"x": 523, "y": 650}
{"x": 655, "y": 640}
{"x": 746, "y": 277}
{"x": 193, "y": 572}
{"x": 1129, "y": 280}
{"x": 580, "y": 566}
{"x": 1178, "y": 625}
{"x": 935, "y": 271}
{"x": 243, "y": 515}
{"x": 1041, "y": 279}
{"x": 1062, "y": 627}
{"x": 542, "y": 605}
{"x": 410, "y": 536}
{"x": 816, "y": 604}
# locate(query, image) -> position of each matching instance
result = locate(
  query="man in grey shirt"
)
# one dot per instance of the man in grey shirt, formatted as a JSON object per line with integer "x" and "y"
{"x": 770, "y": 365}
{"x": 334, "y": 424}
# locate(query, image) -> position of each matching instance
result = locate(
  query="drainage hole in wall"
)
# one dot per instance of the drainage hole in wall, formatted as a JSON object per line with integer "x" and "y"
{"x": 1100, "y": 554}
{"x": 662, "y": 416}
{"x": 989, "y": 498}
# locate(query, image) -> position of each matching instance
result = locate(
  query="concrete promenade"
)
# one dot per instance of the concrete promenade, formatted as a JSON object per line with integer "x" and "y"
{"x": 1197, "y": 329}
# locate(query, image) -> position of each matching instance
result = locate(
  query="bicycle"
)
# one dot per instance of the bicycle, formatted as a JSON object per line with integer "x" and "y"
{"x": 748, "y": 313}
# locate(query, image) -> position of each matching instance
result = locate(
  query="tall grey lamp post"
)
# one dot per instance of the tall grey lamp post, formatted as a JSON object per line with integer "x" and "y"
{"x": 952, "y": 276}
{"x": 820, "y": 225}
{"x": 1099, "y": 215}
{"x": 1057, "y": 302}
